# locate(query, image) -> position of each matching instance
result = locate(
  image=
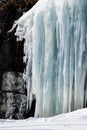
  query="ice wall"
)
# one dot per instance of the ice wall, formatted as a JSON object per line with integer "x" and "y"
{"x": 55, "y": 33}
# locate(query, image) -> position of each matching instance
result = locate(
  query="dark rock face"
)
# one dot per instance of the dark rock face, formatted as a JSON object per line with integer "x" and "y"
{"x": 13, "y": 97}
{"x": 11, "y": 53}
{"x": 12, "y": 105}
{"x": 12, "y": 86}
{"x": 13, "y": 82}
{"x": 6, "y": 20}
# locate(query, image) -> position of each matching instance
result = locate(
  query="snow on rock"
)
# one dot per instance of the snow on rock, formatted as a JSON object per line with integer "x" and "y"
{"x": 55, "y": 33}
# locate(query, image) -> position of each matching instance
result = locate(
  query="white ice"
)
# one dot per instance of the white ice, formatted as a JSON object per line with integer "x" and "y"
{"x": 55, "y": 33}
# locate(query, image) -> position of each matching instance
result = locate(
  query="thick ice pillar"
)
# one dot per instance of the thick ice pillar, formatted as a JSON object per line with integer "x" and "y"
{"x": 55, "y": 33}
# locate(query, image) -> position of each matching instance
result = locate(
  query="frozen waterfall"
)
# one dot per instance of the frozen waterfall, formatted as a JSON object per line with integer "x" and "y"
{"x": 55, "y": 33}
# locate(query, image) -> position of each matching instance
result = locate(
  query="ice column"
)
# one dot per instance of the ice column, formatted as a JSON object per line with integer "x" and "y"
{"x": 55, "y": 34}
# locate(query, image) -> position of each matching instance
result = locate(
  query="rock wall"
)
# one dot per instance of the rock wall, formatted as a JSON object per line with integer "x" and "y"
{"x": 13, "y": 97}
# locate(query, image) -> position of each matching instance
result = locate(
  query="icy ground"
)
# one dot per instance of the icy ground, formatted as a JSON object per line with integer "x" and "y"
{"x": 76, "y": 120}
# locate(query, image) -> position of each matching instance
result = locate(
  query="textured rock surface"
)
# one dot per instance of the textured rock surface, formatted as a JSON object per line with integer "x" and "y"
{"x": 13, "y": 98}
{"x": 12, "y": 82}
{"x": 12, "y": 105}
{"x": 12, "y": 91}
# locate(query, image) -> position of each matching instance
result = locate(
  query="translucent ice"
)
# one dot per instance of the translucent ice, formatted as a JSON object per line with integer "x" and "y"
{"x": 55, "y": 33}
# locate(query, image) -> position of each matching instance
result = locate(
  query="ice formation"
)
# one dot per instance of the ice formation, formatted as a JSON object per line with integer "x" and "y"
{"x": 55, "y": 33}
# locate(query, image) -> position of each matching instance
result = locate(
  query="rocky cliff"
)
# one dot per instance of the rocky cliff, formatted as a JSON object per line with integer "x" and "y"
{"x": 13, "y": 96}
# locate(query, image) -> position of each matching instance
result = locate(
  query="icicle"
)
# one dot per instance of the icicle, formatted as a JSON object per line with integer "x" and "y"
{"x": 55, "y": 33}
